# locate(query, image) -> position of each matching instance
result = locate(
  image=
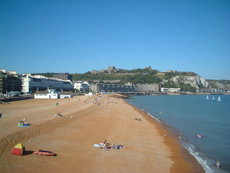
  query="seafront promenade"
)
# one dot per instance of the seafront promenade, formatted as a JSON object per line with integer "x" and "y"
{"x": 88, "y": 120}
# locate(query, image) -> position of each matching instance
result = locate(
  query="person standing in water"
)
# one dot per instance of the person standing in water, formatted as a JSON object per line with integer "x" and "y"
{"x": 217, "y": 163}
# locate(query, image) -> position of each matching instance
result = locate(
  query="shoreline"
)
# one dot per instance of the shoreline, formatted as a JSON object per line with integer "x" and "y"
{"x": 196, "y": 137}
{"x": 184, "y": 161}
{"x": 88, "y": 120}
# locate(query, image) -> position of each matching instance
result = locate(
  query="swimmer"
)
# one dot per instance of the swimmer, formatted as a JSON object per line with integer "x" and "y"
{"x": 217, "y": 163}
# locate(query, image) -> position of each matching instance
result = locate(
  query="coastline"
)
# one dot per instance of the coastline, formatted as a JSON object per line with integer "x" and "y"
{"x": 183, "y": 160}
{"x": 88, "y": 120}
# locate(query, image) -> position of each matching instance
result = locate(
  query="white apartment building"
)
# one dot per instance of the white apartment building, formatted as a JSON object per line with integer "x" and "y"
{"x": 170, "y": 90}
{"x": 38, "y": 82}
{"x": 81, "y": 86}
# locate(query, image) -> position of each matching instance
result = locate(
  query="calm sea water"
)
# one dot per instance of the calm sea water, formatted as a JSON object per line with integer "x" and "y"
{"x": 189, "y": 115}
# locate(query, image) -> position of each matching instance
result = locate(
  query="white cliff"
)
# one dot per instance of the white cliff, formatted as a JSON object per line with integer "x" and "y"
{"x": 195, "y": 81}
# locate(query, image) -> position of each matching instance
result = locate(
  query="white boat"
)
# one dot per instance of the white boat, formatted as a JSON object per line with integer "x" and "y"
{"x": 199, "y": 136}
{"x": 219, "y": 99}
{"x": 207, "y": 98}
{"x": 213, "y": 98}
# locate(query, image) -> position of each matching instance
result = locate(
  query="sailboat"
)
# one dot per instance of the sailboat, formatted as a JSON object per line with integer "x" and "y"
{"x": 207, "y": 98}
{"x": 219, "y": 100}
{"x": 213, "y": 98}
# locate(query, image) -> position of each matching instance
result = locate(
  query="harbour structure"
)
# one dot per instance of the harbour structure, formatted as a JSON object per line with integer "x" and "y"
{"x": 38, "y": 82}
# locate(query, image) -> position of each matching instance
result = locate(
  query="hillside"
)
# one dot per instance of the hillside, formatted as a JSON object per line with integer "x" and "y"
{"x": 187, "y": 81}
{"x": 223, "y": 84}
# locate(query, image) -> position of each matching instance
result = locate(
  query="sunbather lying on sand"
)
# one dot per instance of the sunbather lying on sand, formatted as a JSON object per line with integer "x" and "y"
{"x": 106, "y": 145}
{"x": 23, "y": 122}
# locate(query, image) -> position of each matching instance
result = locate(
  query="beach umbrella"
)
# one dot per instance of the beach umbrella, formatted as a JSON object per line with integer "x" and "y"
{"x": 18, "y": 149}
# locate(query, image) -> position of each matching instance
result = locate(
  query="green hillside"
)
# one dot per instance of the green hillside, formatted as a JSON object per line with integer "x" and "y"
{"x": 134, "y": 76}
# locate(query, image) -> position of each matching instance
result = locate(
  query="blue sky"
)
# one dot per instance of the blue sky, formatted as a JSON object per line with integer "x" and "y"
{"x": 83, "y": 35}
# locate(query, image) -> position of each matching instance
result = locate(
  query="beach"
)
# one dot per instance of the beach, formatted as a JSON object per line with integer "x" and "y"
{"x": 87, "y": 120}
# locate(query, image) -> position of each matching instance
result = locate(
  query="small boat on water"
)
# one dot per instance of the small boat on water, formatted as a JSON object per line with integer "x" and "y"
{"x": 207, "y": 98}
{"x": 199, "y": 136}
{"x": 219, "y": 99}
{"x": 213, "y": 98}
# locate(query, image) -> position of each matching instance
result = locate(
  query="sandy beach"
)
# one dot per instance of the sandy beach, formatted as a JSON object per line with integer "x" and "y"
{"x": 88, "y": 120}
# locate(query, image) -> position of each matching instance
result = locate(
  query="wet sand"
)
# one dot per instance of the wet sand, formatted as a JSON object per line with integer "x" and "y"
{"x": 88, "y": 120}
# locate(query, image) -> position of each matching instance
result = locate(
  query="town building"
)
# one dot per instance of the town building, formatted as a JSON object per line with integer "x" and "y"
{"x": 94, "y": 87}
{"x": 170, "y": 90}
{"x": 111, "y": 69}
{"x": 9, "y": 82}
{"x": 148, "y": 88}
{"x": 52, "y": 94}
{"x": 108, "y": 87}
{"x": 48, "y": 94}
{"x": 37, "y": 82}
{"x": 80, "y": 86}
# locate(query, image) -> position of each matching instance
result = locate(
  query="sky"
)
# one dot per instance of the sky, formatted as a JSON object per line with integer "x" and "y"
{"x": 77, "y": 36}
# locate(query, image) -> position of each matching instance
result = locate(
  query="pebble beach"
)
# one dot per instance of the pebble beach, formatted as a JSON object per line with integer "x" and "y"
{"x": 85, "y": 121}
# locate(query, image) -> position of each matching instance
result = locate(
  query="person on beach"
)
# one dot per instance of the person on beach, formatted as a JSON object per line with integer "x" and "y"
{"x": 105, "y": 142}
{"x": 217, "y": 163}
{"x": 24, "y": 121}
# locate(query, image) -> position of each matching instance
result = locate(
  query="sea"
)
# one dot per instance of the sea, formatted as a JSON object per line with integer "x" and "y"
{"x": 201, "y": 122}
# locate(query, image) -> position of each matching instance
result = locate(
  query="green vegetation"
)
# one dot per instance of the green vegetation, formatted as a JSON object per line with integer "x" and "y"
{"x": 182, "y": 86}
{"x": 45, "y": 74}
{"x": 122, "y": 71}
{"x": 224, "y": 81}
{"x": 99, "y": 76}
{"x": 142, "y": 79}
{"x": 169, "y": 75}
{"x": 135, "y": 76}
{"x": 187, "y": 87}
{"x": 220, "y": 81}
{"x": 143, "y": 71}
{"x": 170, "y": 84}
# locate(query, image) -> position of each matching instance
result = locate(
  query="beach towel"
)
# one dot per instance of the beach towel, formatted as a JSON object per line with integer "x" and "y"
{"x": 44, "y": 153}
{"x": 23, "y": 125}
{"x": 99, "y": 145}
{"x": 118, "y": 147}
